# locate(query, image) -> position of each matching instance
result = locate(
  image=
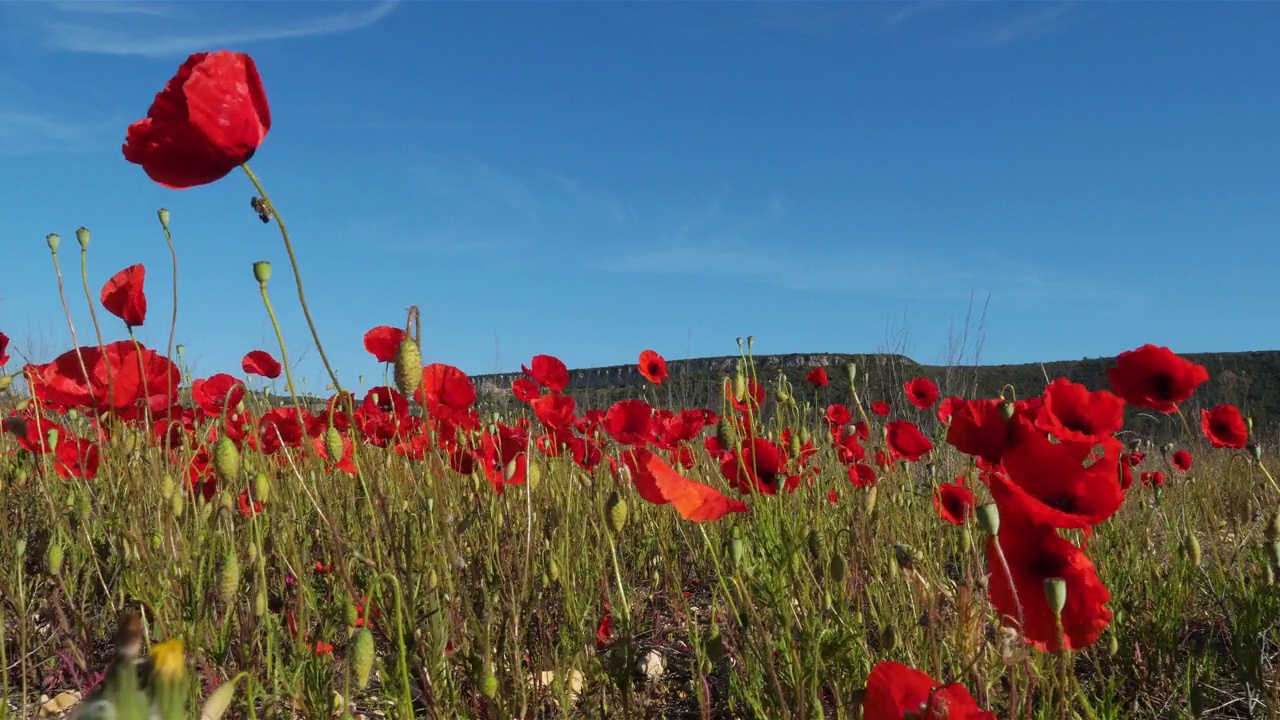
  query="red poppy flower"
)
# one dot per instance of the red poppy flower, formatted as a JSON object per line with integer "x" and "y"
{"x": 862, "y": 475}
{"x": 653, "y": 367}
{"x": 260, "y": 362}
{"x": 384, "y": 342}
{"x": 817, "y": 377}
{"x": 123, "y": 297}
{"x": 629, "y": 422}
{"x": 1153, "y": 479}
{"x": 445, "y": 390}
{"x": 140, "y": 378}
{"x": 1224, "y": 426}
{"x": 321, "y": 648}
{"x": 880, "y": 408}
{"x": 1036, "y": 553}
{"x": 759, "y": 468}
{"x": 4, "y": 349}
{"x": 1182, "y": 460}
{"x": 898, "y": 692}
{"x": 980, "y": 428}
{"x": 921, "y": 392}
{"x": 549, "y": 372}
{"x": 947, "y": 407}
{"x": 555, "y": 411}
{"x": 1155, "y": 378}
{"x": 837, "y": 415}
{"x": 954, "y": 502}
{"x": 525, "y": 389}
{"x": 659, "y": 483}
{"x": 1073, "y": 414}
{"x": 906, "y": 441}
{"x": 1064, "y": 485}
{"x": 248, "y": 506}
{"x": 209, "y": 119}
{"x": 217, "y": 393}
{"x": 76, "y": 458}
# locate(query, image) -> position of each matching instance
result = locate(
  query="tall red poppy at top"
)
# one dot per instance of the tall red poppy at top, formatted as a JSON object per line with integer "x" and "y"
{"x": 209, "y": 119}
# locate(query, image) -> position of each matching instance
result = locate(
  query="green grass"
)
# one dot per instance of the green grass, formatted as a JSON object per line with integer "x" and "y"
{"x": 480, "y": 597}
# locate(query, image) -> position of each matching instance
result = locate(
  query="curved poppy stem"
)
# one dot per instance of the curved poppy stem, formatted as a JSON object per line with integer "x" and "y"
{"x": 173, "y": 253}
{"x": 297, "y": 276}
{"x": 284, "y": 354}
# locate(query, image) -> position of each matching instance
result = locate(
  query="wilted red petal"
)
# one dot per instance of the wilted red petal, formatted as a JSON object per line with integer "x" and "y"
{"x": 123, "y": 296}
{"x": 260, "y": 362}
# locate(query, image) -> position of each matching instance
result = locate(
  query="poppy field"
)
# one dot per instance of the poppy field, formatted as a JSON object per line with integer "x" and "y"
{"x": 181, "y": 546}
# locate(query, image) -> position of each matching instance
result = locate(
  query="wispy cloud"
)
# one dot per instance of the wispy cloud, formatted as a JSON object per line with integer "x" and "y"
{"x": 116, "y": 7}
{"x": 98, "y": 27}
{"x": 940, "y": 279}
{"x": 26, "y": 133}
{"x": 911, "y": 11}
{"x": 1044, "y": 19}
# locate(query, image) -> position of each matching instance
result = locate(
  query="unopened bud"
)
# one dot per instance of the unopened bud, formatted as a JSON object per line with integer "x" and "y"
{"x": 226, "y": 459}
{"x": 362, "y": 657}
{"x": 333, "y": 443}
{"x": 1272, "y": 530}
{"x": 1191, "y": 545}
{"x": 1007, "y": 410}
{"x": 261, "y": 487}
{"x": 408, "y": 368}
{"x": 888, "y": 639}
{"x": 53, "y": 556}
{"x": 852, "y": 371}
{"x": 1273, "y": 553}
{"x": 1255, "y": 451}
{"x": 615, "y": 510}
{"x": 229, "y": 579}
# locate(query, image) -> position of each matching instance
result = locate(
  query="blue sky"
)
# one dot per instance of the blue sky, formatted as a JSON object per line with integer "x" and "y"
{"x": 593, "y": 179}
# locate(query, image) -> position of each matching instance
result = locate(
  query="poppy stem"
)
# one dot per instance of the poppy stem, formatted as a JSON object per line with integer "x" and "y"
{"x": 297, "y": 276}
{"x": 173, "y": 253}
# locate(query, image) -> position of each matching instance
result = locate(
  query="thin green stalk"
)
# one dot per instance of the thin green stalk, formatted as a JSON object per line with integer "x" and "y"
{"x": 297, "y": 276}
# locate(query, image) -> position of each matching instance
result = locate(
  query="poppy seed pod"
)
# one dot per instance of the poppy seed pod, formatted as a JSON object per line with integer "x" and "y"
{"x": 1007, "y": 410}
{"x": 362, "y": 657}
{"x": 888, "y": 639}
{"x": 5, "y": 382}
{"x": 988, "y": 519}
{"x": 1255, "y": 451}
{"x": 1055, "y": 591}
{"x": 408, "y": 367}
{"x": 163, "y": 214}
{"x": 852, "y": 371}
{"x": 226, "y": 459}
{"x": 82, "y": 237}
{"x": 53, "y": 240}
{"x": 262, "y": 272}
{"x": 615, "y": 511}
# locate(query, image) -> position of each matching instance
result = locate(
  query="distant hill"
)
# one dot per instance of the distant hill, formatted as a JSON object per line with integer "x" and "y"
{"x": 1250, "y": 380}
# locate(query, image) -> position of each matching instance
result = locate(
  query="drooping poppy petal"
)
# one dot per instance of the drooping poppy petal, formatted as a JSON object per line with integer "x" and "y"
{"x": 694, "y": 501}
{"x": 445, "y": 386}
{"x": 209, "y": 119}
{"x": 384, "y": 342}
{"x": 260, "y": 362}
{"x": 906, "y": 441}
{"x": 4, "y": 349}
{"x": 123, "y": 296}
{"x": 549, "y": 372}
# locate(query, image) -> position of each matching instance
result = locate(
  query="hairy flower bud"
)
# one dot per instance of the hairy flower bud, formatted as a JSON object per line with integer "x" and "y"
{"x": 226, "y": 459}
{"x": 362, "y": 657}
{"x": 615, "y": 510}
{"x": 408, "y": 368}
